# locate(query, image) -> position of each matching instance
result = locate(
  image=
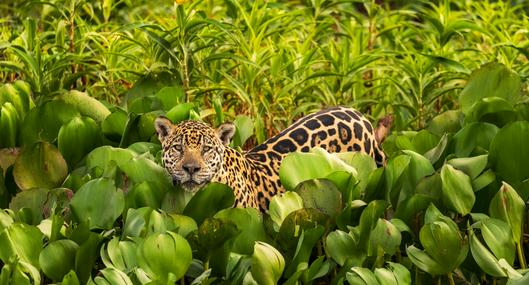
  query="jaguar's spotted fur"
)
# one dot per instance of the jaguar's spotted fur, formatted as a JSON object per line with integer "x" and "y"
{"x": 194, "y": 153}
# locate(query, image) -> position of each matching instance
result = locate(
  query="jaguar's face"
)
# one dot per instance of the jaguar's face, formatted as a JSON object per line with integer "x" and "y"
{"x": 192, "y": 151}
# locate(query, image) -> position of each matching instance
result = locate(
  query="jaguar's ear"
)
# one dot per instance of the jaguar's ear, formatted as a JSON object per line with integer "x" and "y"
{"x": 163, "y": 127}
{"x": 226, "y": 132}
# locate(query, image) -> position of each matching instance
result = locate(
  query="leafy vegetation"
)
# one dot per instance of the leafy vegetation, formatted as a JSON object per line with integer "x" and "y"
{"x": 86, "y": 200}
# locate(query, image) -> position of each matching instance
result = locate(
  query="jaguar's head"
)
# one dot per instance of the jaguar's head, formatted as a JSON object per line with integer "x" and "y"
{"x": 193, "y": 152}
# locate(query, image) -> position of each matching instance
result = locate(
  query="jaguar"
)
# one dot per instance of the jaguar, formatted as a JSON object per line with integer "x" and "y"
{"x": 195, "y": 154}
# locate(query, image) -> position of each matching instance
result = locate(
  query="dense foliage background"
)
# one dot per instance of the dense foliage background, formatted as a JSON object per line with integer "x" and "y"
{"x": 86, "y": 199}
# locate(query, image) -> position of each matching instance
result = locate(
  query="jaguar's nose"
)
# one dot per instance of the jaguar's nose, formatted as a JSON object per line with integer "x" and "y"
{"x": 191, "y": 167}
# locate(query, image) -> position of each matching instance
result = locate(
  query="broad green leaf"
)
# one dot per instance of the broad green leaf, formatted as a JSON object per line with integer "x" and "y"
{"x": 249, "y": 222}
{"x": 498, "y": 237}
{"x": 98, "y": 202}
{"x": 509, "y": 207}
{"x": 457, "y": 190}
{"x": 170, "y": 96}
{"x": 282, "y": 205}
{"x": 401, "y": 273}
{"x": 473, "y": 138}
{"x": 58, "y": 258}
{"x": 491, "y": 80}
{"x": 43, "y": 122}
{"x": 40, "y": 165}
{"x": 114, "y": 124}
{"x": 385, "y": 236}
{"x": 85, "y": 104}
{"x": 318, "y": 163}
{"x": 341, "y": 246}
{"x": 70, "y": 279}
{"x": 484, "y": 258}
{"x": 33, "y": 200}
{"x": 306, "y": 243}
{"x": 359, "y": 275}
{"x": 472, "y": 166}
{"x": 9, "y": 124}
{"x": 448, "y": 122}
{"x": 435, "y": 153}
{"x": 100, "y": 156}
{"x": 492, "y": 110}
{"x": 119, "y": 254}
{"x": 208, "y": 201}
{"x": 320, "y": 194}
{"x": 22, "y": 242}
{"x": 180, "y": 112}
{"x": 76, "y": 138}
{"x": 140, "y": 169}
{"x": 443, "y": 242}
{"x": 424, "y": 262}
{"x": 509, "y": 154}
{"x": 244, "y": 130}
{"x": 385, "y": 276}
{"x": 113, "y": 276}
{"x": 267, "y": 264}
{"x": 164, "y": 256}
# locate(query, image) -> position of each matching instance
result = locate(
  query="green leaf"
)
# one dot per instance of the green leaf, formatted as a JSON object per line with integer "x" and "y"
{"x": 320, "y": 194}
{"x": 457, "y": 190}
{"x": 385, "y": 276}
{"x": 98, "y": 202}
{"x": 508, "y": 206}
{"x": 40, "y": 165}
{"x": 244, "y": 130}
{"x": 492, "y": 110}
{"x": 119, "y": 254}
{"x": 401, "y": 273}
{"x": 76, "y": 138}
{"x": 170, "y": 96}
{"x": 491, "y": 80}
{"x": 164, "y": 256}
{"x": 180, "y": 112}
{"x": 267, "y": 264}
{"x": 9, "y": 124}
{"x": 385, "y": 236}
{"x": 341, "y": 246}
{"x": 113, "y": 276}
{"x": 359, "y": 275}
{"x": 101, "y": 156}
{"x": 474, "y": 137}
{"x": 282, "y": 205}
{"x": 471, "y": 166}
{"x": 297, "y": 167}
{"x": 498, "y": 237}
{"x": 22, "y": 242}
{"x": 424, "y": 262}
{"x": 58, "y": 258}
{"x": 443, "y": 242}
{"x": 43, "y": 122}
{"x": 34, "y": 200}
{"x": 509, "y": 154}
{"x": 448, "y": 122}
{"x": 484, "y": 258}
{"x": 86, "y": 105}
{"x": 114, "y": 125}
{"x": 208, "y": 201}
{"x": 249, "y": 222}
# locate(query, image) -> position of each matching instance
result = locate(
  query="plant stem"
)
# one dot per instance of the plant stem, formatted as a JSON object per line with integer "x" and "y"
{"x": 450, "y": 278}
{"x": 521, "y": 257}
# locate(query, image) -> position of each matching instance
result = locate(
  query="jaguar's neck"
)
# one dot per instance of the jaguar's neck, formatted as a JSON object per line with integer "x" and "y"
{"x": 237, "y": 173}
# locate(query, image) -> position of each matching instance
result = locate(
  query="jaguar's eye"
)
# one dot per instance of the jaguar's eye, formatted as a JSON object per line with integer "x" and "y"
{"x": 178, "y": 148}
{"x": 206, "y": 149}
